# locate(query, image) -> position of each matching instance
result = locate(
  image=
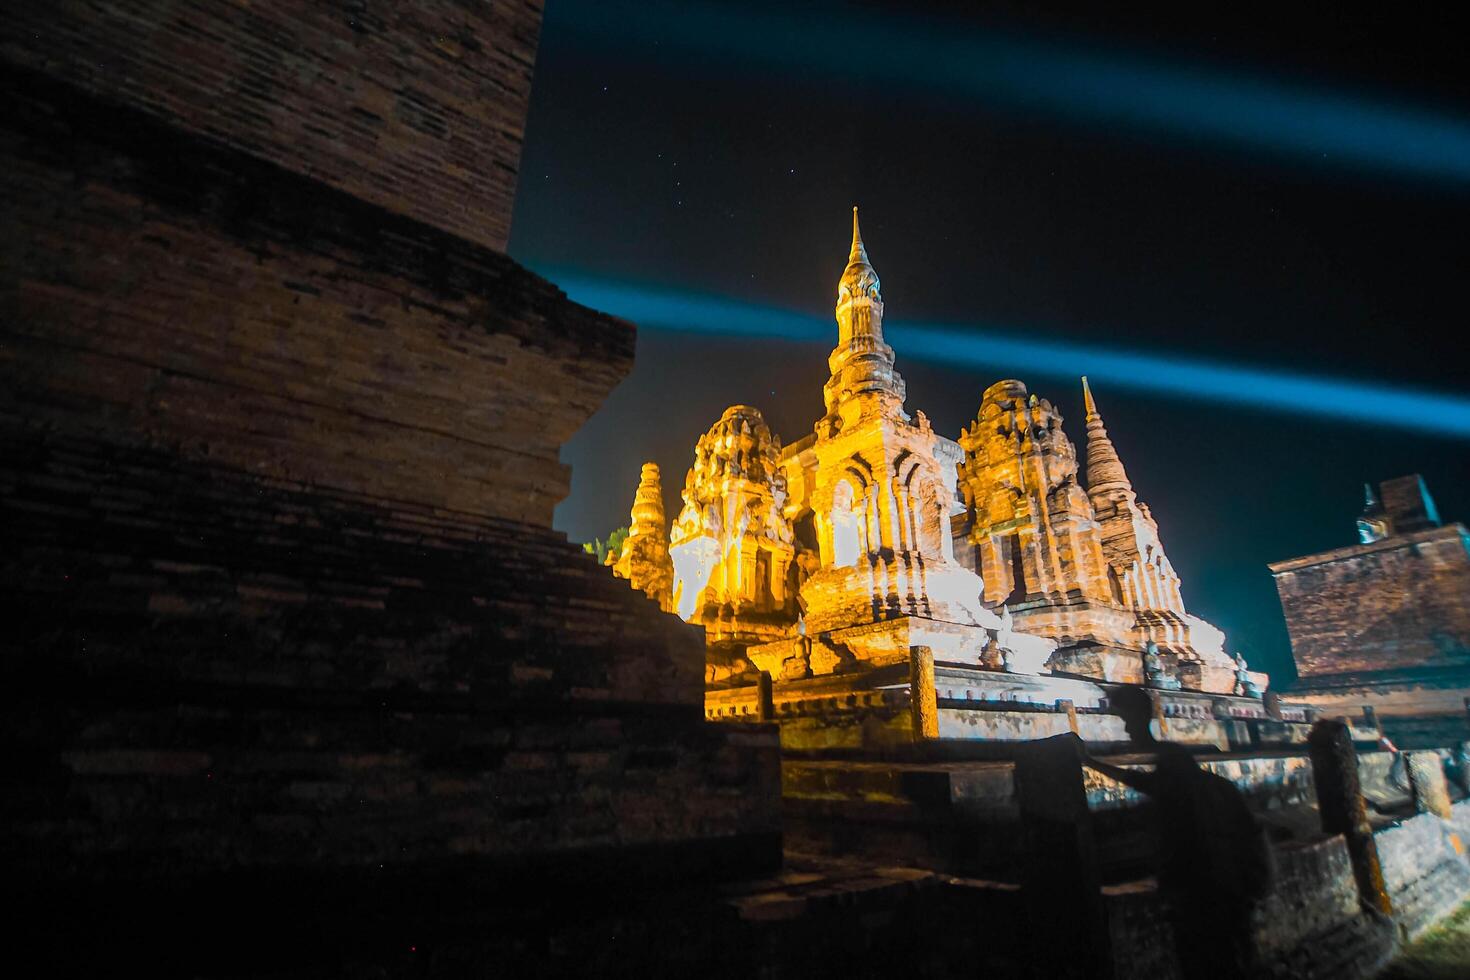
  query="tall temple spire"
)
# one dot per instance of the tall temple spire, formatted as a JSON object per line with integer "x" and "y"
{"x": 861, "y": 363}
{"x": 858, "y": 252}
{"x": 1104, "y": 469}
{"x": 859, "y": 279}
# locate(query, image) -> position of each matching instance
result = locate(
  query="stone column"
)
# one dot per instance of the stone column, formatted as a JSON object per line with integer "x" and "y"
{"x": 1426, "y": 779}
{"x": 1161, "y": 720}
{"x": 923, "y": 699}
{"x": 904, "y": 529}
{"x": 1343, "y": 810}
{"x": 1061, "y": 885}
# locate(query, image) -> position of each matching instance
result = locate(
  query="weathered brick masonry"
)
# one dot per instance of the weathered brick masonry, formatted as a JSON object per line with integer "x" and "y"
{"x": 417, "y": 107}
{"x": 274, "y": 459}
{"x": 1385, "y": 624}
{"x": 263, "y": 321}
{"x": 1400, "y": 602}
{"x": 287, "y": 634}
{"x": 222, "y": 670}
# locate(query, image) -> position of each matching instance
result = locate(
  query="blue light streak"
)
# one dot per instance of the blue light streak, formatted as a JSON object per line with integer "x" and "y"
{"x": 996, "y": 351}
{"x": 1311, "y": 124}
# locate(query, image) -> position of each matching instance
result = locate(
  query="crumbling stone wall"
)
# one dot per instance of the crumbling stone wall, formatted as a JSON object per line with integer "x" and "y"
{"x": 1313, "y": 925}
{"x": 1310, "y": 928}
{"x": 1424, "y": 868}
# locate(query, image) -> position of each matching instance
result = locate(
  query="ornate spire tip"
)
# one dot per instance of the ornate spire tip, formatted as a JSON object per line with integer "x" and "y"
{"x": 1087, "y": 403}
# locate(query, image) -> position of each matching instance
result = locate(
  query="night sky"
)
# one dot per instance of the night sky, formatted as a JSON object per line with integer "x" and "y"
{"x": 1285, "y": 196}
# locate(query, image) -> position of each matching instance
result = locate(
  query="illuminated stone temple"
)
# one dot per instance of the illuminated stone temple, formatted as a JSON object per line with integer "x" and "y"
{"x": 732, "y": 545}
{"x": 1079, "y": 562}
{"x": 838, "y": 562}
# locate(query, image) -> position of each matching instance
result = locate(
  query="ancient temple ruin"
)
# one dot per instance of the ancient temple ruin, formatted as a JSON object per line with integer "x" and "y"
{"x": 841, "y": 552}
{"x": 305, "y": 684}
{"x": 1079, "y": 562}
{"x": 1380, "y": 629}
{"x": 731, "y": 544}
{"x": 644, "y": 556}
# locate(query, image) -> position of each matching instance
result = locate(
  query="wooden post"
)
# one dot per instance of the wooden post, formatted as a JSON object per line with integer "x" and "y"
{"x": 765, "y": 698}
{"x": 923, "y": 700}
{"x": 1060, "y": 880}
{"x": 1342, "y": 808}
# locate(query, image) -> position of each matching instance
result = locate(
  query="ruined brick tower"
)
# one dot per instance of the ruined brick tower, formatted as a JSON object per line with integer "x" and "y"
{"x": 294, "y": 636}
{"x": 1384, "y": 624}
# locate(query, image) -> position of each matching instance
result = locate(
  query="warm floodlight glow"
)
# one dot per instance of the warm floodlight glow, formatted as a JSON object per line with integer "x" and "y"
{"x": 999, "y": 352}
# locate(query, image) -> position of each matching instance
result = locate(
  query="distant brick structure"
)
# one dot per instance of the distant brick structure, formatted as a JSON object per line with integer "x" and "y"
{"x": 1386, "y": 623}
{"x": 287, "y": 631}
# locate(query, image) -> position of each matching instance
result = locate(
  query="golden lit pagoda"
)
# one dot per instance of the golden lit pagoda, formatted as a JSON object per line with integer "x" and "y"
{"x": 874, "y": 535}
{"x": 644, "y": 558}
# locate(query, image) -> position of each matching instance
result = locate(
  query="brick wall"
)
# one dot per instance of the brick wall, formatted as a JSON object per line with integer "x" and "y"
{"x": 218, "y": 669}
{"x": 1397, "y": 603}
{"x": 417, "y": 107}
{"x": 1311, "y": 927}
{"x": 278, "y": 456}
{"x": 130, "y": 564}
{"x": 317, "y": 339}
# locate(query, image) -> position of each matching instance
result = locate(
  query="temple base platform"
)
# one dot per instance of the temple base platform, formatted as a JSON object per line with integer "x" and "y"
{"x": 874, "y": 707}
{"x": 888, "y": 641}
